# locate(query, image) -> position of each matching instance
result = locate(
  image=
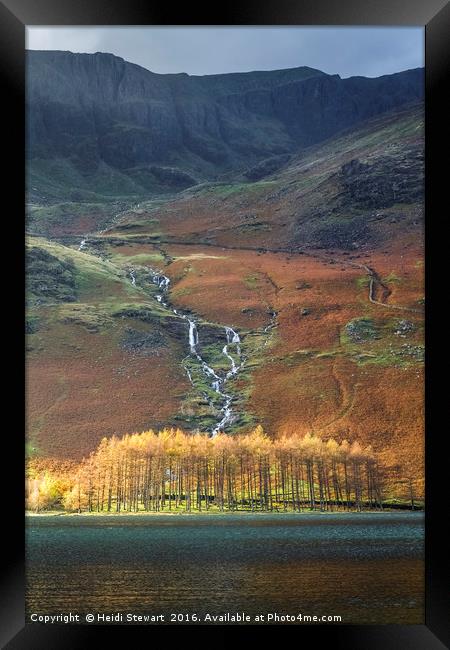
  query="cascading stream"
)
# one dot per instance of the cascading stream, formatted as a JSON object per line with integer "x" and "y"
{"x": 232, "y": 338}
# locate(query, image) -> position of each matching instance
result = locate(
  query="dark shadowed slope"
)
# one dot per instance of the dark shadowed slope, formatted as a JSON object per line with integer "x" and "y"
{"x": 115, "y": 128}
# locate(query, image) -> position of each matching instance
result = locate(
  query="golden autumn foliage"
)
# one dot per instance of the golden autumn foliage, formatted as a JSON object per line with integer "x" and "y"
{"x": 172, "y": 470}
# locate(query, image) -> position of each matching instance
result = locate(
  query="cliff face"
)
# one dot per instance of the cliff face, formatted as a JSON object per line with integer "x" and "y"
{"x": 95, "y": 109}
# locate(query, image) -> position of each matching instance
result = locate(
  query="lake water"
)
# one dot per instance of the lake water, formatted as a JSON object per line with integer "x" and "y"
{"x": 367, "y": 568}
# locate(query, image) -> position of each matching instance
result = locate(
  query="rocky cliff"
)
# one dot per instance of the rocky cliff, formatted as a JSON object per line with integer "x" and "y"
{"x": 98, "y": 112}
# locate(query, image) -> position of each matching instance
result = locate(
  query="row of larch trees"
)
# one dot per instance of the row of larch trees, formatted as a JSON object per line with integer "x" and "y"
{"x": 173, "y": 471}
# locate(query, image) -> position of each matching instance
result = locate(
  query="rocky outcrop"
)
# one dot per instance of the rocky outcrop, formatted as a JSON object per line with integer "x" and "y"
{"x": 49, "y": 279}
{"x": 266, "y": 167}
{"x": 345, "y": 234}
{"x": 386, "y": 181}
{"x": 143, "y": 343}
{"x": 172, "y": 177}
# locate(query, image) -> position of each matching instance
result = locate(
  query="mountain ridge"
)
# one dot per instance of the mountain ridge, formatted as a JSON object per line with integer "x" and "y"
{"x": 60, "y": 53}
{"x": 92, "y": 110}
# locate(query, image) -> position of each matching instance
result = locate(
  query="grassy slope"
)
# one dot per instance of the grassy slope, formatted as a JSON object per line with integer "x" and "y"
{"x": 83, "y": 383}
{"x": 336, "y": 364}
{"x": 312, "y": 373}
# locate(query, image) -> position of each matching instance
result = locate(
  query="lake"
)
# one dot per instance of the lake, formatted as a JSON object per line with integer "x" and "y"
{"x": 367, "y": 568}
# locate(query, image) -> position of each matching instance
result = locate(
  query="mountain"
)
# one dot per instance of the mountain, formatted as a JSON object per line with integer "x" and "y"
{"x": 115, "y": 128}
{"x": 284, "y": 207}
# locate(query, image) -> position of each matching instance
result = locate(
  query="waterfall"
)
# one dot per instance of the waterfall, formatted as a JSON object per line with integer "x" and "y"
{"x": 233, "y": 364}
{"x": 193, "y": 336}
{"x": 232, "y": 338}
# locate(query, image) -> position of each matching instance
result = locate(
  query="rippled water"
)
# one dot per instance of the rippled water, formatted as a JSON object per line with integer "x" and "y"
{"x": 368, "y": 568}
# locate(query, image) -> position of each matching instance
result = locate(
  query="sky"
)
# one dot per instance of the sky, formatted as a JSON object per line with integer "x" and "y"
{"x": 347, "y": 51}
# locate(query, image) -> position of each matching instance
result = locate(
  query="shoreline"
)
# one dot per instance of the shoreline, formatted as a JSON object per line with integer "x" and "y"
{"x": 58, "y": 513}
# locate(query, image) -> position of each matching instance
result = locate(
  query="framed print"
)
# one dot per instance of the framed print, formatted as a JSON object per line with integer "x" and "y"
{"x": 227, "y": 257}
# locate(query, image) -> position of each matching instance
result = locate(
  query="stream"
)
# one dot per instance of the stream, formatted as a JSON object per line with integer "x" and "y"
{"x": 215, "y": 379}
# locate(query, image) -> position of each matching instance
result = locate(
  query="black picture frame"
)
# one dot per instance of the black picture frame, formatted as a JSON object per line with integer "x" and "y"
{"x": 435, "y": 16}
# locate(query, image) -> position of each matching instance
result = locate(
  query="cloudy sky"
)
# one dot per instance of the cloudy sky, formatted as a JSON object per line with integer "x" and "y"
{"x": 348, "y": 51}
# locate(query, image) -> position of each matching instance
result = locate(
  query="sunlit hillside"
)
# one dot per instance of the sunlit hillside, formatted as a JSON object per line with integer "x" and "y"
{"x": 283, "y": 289}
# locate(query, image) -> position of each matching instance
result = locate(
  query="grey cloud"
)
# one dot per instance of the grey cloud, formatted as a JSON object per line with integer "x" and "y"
{"x": 346, "y": 51}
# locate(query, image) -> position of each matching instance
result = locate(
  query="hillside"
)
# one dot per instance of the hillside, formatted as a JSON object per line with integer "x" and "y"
{"x": 356, "y": 190}
{"x": 294, "y": 264}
